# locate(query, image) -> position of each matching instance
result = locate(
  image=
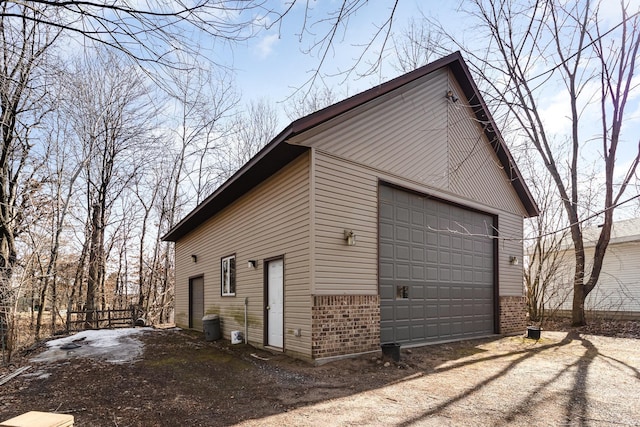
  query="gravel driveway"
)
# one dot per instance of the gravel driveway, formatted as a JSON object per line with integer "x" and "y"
{"x": 564, "y": 379}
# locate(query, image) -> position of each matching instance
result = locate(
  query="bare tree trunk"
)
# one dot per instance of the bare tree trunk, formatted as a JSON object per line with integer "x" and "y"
{"x": 94, "y": 277}
{"x": 524, "y": 35}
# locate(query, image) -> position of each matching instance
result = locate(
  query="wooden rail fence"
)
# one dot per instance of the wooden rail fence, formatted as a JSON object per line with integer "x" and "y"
{"x": 97, "y": 319}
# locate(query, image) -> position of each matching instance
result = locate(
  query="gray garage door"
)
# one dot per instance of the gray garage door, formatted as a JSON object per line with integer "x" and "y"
{"x": 436, "y": 270}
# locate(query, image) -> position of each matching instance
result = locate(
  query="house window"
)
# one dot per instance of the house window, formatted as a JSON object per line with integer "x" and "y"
{"x": 229, "y": 276}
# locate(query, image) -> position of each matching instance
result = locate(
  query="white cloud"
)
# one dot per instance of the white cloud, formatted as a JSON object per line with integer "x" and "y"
{"x": 266, "y": 45}
{"x": 556, "y": 113}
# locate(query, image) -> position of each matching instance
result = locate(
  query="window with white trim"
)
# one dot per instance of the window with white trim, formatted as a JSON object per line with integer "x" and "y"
{"x": 228, "y": 281}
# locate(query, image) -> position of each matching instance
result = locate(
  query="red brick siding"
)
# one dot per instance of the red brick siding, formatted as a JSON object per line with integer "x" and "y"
{"x": 345, "y": 324}
{"x": 513, "y": 315}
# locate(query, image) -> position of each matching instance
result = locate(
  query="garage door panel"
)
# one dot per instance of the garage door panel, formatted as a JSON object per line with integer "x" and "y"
{"x": 432, "y": 238}
{"x": 456, "y": 310}
{"x": 402, "y": 312}
{"x": 456, "y": 292}
{"x": 386, "y": 312}
{"x": 386, "y": 251}
{"x": 417, "y": 293}
{"x": 456, "y": 243}
{"x": 386, "y": 270}
{"x": 456, "y": 329}
{"x": 467, "y": 245}
{"x": 417, "y": 254}
{"x": 442, "y": 286}
{"x": 418, "y": 237}
{"x": 387, "y": 292}
{"x": 402, "y": 271}
{"x": 432, "y": 311}
{"x": 402, "y": 333}
{"x": 418, "y": 272}
{"x": 444, "y": 292}
{"x": 456, "y": 259}
{"x": 401, "y": 214}
{"x": 418, "y": 332}
{"x": 387, "y": 334}
{"x": 432, "y": 331}
{"x": 432, "y": 291}
{"x": 456, "y": 275}
{"x": 467, "y": 276}
{"x": 444, "y": 310}
{"x": 402, "y": 234}
{"x": 444, "y": 329}
{"x": 417, "y": 312}
{"x": 403, "y": 252}
{"x": 386, "y": 231}
{"x": 417, "y": 218}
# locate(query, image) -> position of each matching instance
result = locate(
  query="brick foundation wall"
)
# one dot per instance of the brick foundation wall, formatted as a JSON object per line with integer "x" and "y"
{"x": 345, "y": 324}
{"x": 513, "y": 315}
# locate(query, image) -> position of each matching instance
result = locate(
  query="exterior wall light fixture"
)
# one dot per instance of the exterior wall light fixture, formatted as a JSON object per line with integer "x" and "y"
{"x": 451, "y": 96}
{"x": 513, "y": 260}
{"x": 350, "y": 237}
{"x": 194, "y": 258}
{"x": 252, "y": 263}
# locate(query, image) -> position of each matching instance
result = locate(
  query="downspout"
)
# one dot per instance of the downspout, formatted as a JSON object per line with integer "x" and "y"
{"x": 246, "y": 326}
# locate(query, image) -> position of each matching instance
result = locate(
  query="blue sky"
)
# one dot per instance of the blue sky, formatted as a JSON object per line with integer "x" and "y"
{"x": 275, "y": 63}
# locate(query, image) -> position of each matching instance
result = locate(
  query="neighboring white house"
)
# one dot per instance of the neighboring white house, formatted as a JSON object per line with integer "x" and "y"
{"x": 618, "y": 290}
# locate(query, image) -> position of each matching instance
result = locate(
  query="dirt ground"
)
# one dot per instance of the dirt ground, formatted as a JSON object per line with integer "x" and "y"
{"x": 566, "y": 378}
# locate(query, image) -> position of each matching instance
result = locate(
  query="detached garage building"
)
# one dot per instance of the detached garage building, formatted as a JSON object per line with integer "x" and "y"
{"x": 393, "y": 216}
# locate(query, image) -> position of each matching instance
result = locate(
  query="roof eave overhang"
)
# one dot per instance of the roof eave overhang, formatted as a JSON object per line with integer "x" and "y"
{"x": 272, "y": 158}
{"x": 278, "y": 153}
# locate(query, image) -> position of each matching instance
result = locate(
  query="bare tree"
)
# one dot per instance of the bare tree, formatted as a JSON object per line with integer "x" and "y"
{"x": 544, "y": 248}
{"x": 61, "y": 173}
{"x": 563, "y": 47}
{"x": 532, "y": 49}
{"x": 23, "y": 44}
{"x": 301, "y": 104}
{"x": 415, "y": 46}
{"x": 252, "y": 130}
{"x": 112, "y": 117}
{"x": 204, "y": 101}
{"x": 145, "y": 31}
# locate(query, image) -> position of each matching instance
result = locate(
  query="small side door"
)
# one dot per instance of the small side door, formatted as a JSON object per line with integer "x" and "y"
{"x": 196, "y": 302}
{"x": 274, "y": 309}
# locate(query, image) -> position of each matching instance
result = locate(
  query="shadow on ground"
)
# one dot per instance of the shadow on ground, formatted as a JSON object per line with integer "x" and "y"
{"x": 183, "y": 380}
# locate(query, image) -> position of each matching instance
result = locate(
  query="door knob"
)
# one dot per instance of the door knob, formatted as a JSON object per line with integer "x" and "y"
{"x": 268, "y": 308}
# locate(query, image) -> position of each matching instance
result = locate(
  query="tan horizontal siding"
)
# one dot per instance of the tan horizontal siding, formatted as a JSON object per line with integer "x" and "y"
{"x": 345, "y": 198}
{"x": 475, "y": 171}
{"x": 403, "y": 133}
{"x": 181, "y": 287}
{"x": 510, "y": 244}
{"x": 271, "y": 220}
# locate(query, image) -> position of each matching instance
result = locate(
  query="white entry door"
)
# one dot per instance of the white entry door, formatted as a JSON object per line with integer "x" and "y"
{"x": 275, "y": 303}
